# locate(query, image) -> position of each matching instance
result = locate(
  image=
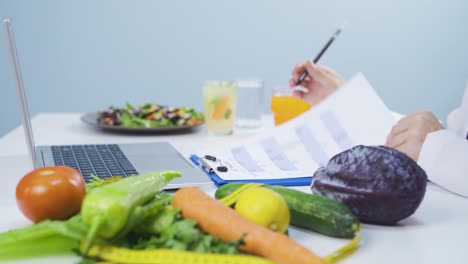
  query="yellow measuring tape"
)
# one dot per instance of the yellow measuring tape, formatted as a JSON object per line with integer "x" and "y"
{"x": 346, "y": 250}
{"x": 331, "y": 258}
{"x": 232, "y": 197}
{"x": 116, "y": 255}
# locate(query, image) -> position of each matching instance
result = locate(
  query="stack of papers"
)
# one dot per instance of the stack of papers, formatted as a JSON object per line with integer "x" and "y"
{"x": 290, "y": 153}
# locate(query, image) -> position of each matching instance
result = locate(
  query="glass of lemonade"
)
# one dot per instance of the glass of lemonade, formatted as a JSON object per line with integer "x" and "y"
{"x": 220, "y": 106}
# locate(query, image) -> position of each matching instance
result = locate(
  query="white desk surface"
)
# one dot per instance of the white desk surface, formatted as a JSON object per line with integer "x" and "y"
{"x": 436, "y": 233}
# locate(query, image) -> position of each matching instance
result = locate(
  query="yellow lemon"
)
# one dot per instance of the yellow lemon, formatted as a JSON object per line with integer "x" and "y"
{"x": 264, "y": 207}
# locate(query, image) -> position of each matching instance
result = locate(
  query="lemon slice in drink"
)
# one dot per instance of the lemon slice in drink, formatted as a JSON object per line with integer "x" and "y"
{"x": 221, "y": 107}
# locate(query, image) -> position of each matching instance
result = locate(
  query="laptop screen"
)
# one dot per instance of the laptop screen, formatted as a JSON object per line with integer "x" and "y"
{"x": 20, "y": 88}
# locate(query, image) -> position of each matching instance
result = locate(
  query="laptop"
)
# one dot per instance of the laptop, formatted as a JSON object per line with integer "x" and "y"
{"x": 103, "y": 160}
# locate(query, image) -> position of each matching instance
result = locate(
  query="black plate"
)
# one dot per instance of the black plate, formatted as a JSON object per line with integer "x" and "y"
{"x": 91, "y": 119}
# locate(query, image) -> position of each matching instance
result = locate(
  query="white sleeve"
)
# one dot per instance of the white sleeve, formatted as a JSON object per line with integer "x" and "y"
{"x": 444, "y": 157}
{"x": 457, "y": 120}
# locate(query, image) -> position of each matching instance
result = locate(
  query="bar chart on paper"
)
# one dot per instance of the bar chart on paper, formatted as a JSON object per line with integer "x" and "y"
{"x": 299, "y": 147}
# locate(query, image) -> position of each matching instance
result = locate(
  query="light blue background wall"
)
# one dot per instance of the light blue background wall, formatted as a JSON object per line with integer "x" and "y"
{"x": 86, "y": 55}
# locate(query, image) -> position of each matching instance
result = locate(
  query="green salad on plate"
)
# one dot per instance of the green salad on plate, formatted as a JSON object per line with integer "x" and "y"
{"x": 150, "y": 115}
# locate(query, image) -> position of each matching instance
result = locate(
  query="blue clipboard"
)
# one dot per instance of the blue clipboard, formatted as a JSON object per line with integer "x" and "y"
{"x": 218, "y": 181}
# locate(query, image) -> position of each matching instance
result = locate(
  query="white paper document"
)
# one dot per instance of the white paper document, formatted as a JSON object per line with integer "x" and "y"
{"x": 353, "y": 115}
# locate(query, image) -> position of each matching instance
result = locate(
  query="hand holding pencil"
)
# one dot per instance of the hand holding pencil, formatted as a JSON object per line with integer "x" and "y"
{"x": 318, "y": 81}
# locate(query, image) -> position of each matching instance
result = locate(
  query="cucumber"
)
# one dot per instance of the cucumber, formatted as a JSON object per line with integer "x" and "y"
{"x": 310, "y": 211}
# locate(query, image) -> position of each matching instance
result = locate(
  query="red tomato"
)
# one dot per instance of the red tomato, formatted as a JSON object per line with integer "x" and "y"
{"x": 54, "y": 193}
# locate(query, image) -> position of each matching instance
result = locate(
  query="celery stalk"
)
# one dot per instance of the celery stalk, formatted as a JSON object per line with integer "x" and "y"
{"x": 41, "y": 239}
{"x": 46, "y": 238}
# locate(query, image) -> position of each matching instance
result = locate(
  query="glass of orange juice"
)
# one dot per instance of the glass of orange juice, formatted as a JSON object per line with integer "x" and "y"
{"x": 285, "y": 106}
{"x": 220, "y": 106}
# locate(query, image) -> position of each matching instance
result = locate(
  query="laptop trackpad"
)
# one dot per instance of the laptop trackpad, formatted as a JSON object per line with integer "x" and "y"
{"x": 163, "y": 156}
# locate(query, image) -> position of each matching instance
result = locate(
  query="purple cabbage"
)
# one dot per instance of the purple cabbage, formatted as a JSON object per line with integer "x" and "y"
{"x": 381, "y": 185}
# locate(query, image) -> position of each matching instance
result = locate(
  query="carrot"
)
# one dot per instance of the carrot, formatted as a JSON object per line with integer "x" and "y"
{"x": 222, "y": 221}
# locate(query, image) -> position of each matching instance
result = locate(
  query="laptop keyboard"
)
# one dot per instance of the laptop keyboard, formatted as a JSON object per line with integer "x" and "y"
{"x": 103, "y": 161}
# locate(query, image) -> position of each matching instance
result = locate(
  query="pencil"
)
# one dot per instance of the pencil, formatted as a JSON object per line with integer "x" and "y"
{"x": 319, "y": 55}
